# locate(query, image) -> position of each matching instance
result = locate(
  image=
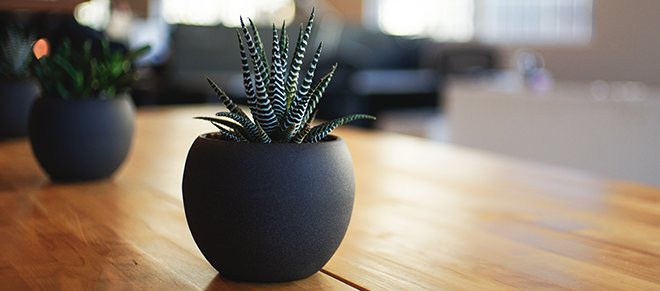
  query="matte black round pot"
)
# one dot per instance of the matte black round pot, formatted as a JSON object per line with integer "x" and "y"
{"x": 16, "y": 97}
{"x": 268, "y": 212}
{"x": 77, "y": 140}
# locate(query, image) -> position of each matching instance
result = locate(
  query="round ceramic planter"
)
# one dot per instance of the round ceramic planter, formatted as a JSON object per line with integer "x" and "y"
{"x": 268, "y": 212}
{"x": 86, "y": 139}
{"x": 16, "y": 96}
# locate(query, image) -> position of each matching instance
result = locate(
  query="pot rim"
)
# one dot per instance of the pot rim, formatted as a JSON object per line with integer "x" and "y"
{"x": 330, "y": 138}
{"x": 88, "y": 98}
{"x": 4, "y": 80}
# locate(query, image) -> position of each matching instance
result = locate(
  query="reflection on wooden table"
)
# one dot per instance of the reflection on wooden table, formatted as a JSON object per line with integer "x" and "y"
{"x": 427, "y": 216}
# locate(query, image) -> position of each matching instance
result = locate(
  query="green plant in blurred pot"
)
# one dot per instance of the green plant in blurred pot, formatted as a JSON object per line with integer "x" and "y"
{"x": 82, "y": 126}
{"x": 79, "y": 73}
{"x": 17, "y": 89}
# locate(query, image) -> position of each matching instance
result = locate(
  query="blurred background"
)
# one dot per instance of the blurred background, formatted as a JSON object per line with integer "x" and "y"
{"x": 568, "y": 82}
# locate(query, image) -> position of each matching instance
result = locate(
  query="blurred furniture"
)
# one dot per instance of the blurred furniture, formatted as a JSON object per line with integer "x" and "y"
{"x": 377, "y": 72}
{"x": 470, "y": 60}
{"x": 615, "y": 135}
{"x": 427, "y": 216}
{"x": 389, "y": 73}
{"x": 196, "y": 51}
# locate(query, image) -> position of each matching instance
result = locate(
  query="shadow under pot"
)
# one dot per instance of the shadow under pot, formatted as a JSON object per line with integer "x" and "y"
{"x": 16, "y": 97}
{"x": 268, "y": 212}
{"x": 82, "y": 139}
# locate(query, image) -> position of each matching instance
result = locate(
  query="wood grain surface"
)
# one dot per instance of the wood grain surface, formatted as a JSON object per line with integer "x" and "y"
{"x": 427, "y": 216}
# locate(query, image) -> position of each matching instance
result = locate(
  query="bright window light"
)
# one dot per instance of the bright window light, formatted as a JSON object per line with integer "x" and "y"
{"x": 538, "y": 22}
{"x": 498, "y": 22}
{"x": 443, "y": 20}
{"x": 401, "y": 18}
{"x": 227, "y": 12}
{"x": 94, "y": 13}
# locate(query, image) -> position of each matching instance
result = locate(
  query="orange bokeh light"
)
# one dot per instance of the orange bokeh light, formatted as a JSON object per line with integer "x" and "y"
{"x": 41, "y": 48}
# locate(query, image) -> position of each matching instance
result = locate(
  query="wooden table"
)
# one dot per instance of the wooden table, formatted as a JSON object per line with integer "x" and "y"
{"x": 427, "y": 216}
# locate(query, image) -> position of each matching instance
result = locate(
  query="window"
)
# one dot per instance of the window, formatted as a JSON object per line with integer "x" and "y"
{"x": 93, "y": 13}
{"x": 501, "y": 22}
{"x": 541, "y": 22}
{"x": 443, "y": 20}
{"x": 227, "y": 12}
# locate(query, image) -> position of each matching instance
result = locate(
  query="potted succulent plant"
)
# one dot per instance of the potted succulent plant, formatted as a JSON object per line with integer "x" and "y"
{"x": 17, "y": 89}
{"x": 269, "y": 198}
{"x": 82, "y": 125}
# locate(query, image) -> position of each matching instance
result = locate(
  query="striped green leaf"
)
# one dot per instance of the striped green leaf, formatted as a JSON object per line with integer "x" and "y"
{"x": 281, "y": 112}
{"x": 229, "y": 134}
{"x": 302, "y": 133}
{"x": 264, "y": 115}
{"x": 317, "y": 92}
{"x": 233, "y": 108}
{"x": 254, "y": 131}
{"x": 229, "y": 124}
{"x": 248, "y": 84}
{"x": 320, "y": 131}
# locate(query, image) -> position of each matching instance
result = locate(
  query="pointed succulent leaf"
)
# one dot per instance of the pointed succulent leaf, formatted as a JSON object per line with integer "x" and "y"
{"x": 275, "y": 56}
{"x": 284, "y": 42}
{"x": 317, "y": 92}
{"x": 65, "y": 49}
{"x": 320, "y": 131}
{"x": 231, "y": 124}
{"x": 229, "y": 134}
{"x": 105, "y": 47}
{"x": 299, "y": 110}
{"x": 260, "y": 48}
{"x": 258, "y": 61}
{"x": 264, "y": 115}
{"x": 310, "y": 120}
{"x": 254, "y": 131}
{"x": 62, "y": 91}
{"x": 231, "y": 106}
{"x": 302, "y": 133}
{"x": 287, "y": 133}
{"x": 299, "y": 54}
{"x": 76, "y": 75}
{"x": 276, "y": 85}
{"x": 298, "y": 107}
{"x": 38, "y": 71}
{"x": 136, "y": 53}
{"x": 294, "y": 67}
{"x": 296, "y": 112}
{"x": 307, "y": 82}
{"x": 250, "y": 91}
{"x": 282, "y": 79}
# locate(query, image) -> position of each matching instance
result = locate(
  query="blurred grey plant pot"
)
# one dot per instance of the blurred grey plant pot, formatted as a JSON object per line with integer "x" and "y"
{"x": 268, "y": 212}
{"x": 16, "y": 97}
{"x": 84, "y": 139}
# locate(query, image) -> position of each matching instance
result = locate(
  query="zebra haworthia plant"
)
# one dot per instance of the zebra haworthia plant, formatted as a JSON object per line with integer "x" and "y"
{"x": 282, "y": 110}
{"x": 16, "y": 52}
